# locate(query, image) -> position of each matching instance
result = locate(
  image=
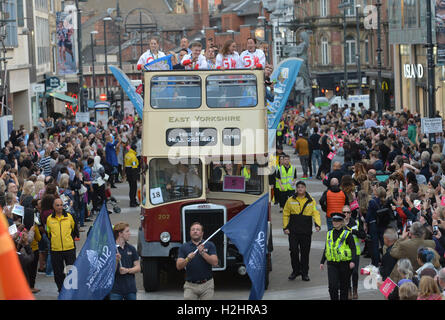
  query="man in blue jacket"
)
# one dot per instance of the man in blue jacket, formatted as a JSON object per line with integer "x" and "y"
{"x": 111, "y": 157}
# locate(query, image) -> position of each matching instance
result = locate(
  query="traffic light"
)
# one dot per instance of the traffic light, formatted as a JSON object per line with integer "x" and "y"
{"x": 109, "y": 96}
{"x": 85, "y": 94}
{"x": 323, "y": 91}
{"x": 337, "y": 90}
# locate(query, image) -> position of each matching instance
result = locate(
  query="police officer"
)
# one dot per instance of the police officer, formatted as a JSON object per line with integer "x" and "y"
{"x": 286, "y": 178}
{"x": 131, "y": 163}
{"x": 298, "y": 213}
{"x": 340, "y": 252}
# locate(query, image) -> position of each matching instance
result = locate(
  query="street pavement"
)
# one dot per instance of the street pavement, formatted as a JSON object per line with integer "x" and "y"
{"x": 229, "y": 286}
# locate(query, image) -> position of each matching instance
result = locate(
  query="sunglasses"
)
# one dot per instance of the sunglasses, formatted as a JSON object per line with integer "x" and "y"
{"x": 346, "y": 211}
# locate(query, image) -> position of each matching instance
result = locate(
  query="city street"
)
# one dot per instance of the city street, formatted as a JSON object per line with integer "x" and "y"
{"x": 235, "y": 287}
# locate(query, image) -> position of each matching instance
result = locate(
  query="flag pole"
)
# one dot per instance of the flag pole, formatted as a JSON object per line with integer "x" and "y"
{"x": 208, "y": 239}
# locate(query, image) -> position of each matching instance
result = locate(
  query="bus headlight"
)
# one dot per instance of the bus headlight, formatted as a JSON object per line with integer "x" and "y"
{"x": 165, "y": 237}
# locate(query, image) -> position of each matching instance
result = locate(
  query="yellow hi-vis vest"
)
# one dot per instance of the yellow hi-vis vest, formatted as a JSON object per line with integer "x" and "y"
{"x": 286, "y": 178}
{"x": 356, "y": 239}
{"x": 338, "y": 251}
{"x": 280, "y": 129}
{"x": 246, "y": 173}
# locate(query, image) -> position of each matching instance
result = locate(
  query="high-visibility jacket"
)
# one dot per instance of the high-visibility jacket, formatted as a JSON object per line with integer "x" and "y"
{"x": 280, "y": 128}
{"x": 131, "y": 160}
{"x": 356, "y": 239}
{"x": 298, "y": 214}
{"x": 13, "y": 284}
{"x": 60, "y": 230}
{"x": 338, "y": 251}
{"x": 246, "y": 173}
{"x": 286, "y": 177}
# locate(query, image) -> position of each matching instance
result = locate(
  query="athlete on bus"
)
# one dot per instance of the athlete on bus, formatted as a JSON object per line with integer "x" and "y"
{"x": 253, "y": 58}
{"x": 195, "y": 60}
{"x": 228, "y": 58}
{"x": 151, "y": 54}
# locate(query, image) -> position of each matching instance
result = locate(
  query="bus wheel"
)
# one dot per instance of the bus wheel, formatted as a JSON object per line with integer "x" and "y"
{"x": 151, "y": 274}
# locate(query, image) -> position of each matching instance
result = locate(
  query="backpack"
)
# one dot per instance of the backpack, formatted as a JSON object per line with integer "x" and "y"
{"x": 383, "y": 216}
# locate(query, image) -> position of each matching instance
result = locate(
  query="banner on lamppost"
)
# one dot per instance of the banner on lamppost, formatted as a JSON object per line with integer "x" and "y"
{"x": 66, "y": 22}
{"x": 440, "y": 32}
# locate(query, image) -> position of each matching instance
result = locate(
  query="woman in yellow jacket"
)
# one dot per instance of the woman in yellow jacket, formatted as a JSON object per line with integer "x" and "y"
{"x": 298, "y": 213}
{"x": 32, "y": 272}
{"x": 60, "y": 228}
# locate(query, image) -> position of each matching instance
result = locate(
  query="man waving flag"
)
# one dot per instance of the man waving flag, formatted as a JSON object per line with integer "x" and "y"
{"x": 92, "y": 276}
{"x": 248, "y": 231}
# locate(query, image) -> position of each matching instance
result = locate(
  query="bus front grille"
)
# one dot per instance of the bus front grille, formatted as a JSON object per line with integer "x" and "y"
{"x": 212, "y": 219}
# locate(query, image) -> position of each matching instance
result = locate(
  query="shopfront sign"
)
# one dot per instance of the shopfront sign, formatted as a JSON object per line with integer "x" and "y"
{"x": 413, "y": 71}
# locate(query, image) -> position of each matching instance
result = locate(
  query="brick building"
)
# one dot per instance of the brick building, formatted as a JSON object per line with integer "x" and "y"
{"x": 324, "y": 20}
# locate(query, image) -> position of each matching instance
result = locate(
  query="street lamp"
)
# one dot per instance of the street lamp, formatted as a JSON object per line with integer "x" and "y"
{"x": 345, "y": 5}
{"x": 92, "y": 33}
{"x": 358, "y": 57}
{"x": 119, "y": 23}
{"x": 105, "y": 51}
{"x": 379, "y": 60}
{"x": 431, "y": 69}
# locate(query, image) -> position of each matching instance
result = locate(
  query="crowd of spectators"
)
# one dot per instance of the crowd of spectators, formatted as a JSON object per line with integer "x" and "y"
{"x": 60, "y": 163}
{"x": 386, "y": 171}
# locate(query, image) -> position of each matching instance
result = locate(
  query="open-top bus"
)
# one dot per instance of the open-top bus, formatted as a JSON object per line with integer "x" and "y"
{"x": 211, "y": 127}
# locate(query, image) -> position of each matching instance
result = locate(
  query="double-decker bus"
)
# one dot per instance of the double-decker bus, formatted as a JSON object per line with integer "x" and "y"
{"x": 204, "y": 158}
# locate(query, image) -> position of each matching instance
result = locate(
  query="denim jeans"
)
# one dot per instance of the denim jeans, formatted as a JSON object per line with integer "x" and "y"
{"x": 329, "y": 223}
{"x": 117, "y": 296}
{"x": 82, "y": 209}
{"x": 376, "y": 234}
{"x": 316, "y": 159}
{"x": 304, "y": 160}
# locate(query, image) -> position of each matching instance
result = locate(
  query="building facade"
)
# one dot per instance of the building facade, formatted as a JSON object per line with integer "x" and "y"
{"x": 408, "y": 34}
{"x": 327, "y": 56}
{"x": 30, "y": 58}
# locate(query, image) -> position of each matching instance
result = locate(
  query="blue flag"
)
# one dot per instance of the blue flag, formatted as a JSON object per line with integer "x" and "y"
{"x": 248, "y": 231}
{"x": 164, "y": 63}
{"x": 92, "y": 276}
{"x": 129, "y": 89}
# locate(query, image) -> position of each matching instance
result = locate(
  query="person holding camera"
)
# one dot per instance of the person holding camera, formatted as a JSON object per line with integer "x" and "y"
{"x": 408, "y": 245}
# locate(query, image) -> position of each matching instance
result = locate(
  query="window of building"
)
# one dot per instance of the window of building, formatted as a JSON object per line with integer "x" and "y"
{"x": 41, "y": 5}
{"x": 323, "y": 8}
{"x": 279, "y": 47}
{"x": 350, "y": 50}
{"x": 20, "y": 15}
{"x": 11, "y": 27}
{"x": 350, "y": 11}
{"x": 324, "y": 51}
{"x": 42, "y": 40}
{"x": 410, "y": 9}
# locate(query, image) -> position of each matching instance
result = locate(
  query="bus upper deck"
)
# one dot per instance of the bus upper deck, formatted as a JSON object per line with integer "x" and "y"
{"x": 204, "y": 113}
